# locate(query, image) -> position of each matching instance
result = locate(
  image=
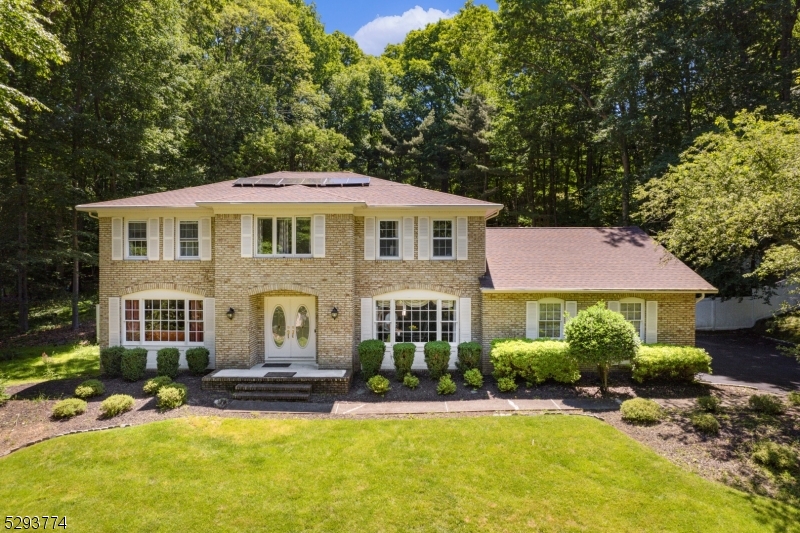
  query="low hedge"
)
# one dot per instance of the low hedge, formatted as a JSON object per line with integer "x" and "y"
{"x": 197, "y": 360}
{"x": 437, "y": 358}
{"x": 168, "y": 361}
{"x": 370, "y": 353}
{"x": 116, "y": 405}
{"x": 534, "y": 360}
{"x": 90, "y": 388}
{"x": 111, "y": 361}
{"x": 134, "y": 363}
{"x": 469, "y": 356}
{"x": 403, "y": 355}
{"x": 69, "y": 408}
{"x": 668, "y": 362}
{"x": 641, "y": 411}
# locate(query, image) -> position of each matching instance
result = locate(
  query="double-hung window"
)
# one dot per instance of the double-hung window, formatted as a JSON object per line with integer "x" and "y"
{"x": 189, "y": 239}
{"x": 442, "y": 239}
{"x": 416, "y": 321}
{"x": 633, "y": 311}
{"x": 137, "y": 239}
{"x": 283, "y": 236}
{"x": 164, "y": 321}
{"x": 550, "y": 320}
{"x": 389, "y": 238}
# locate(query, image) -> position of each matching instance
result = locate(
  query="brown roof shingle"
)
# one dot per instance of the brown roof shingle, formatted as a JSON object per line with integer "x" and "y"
{"x": 578, "y": 259}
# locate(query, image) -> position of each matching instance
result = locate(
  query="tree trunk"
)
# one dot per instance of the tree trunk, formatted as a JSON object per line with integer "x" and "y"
{"x": 21, "y": 175}
{"x": 626, "y": 178}
{"x": 603, "y": 371}
{"x": 76, "y": 269}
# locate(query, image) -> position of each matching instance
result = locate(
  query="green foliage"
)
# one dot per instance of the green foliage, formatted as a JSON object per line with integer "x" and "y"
{"x": 766, "y": 404}
{"x": 111, "y": 360}
{"x": 446, "y": 385}
{"x": 116, "y": 404}
{"x": 794, "y": 398}
{"x": 153, "y": 385}
{"x": 171, "y": 395}
{"x": 90, "y": 388}
{"x": 378, "y": 384}
{"x": 705, "y": 423}
{"x": 709, "y": 404}
{"x": 599, "y": 336}
{"x": 774, "y": 455}
{"x": 4, "y": 397}
{"x": 370, "y": 353}
{"x": 534, "y": 361}
{"x": 411, "y": 381}
{"x": 641, "y": 411}
{"x": 133, "y": 364}
{"x": 69, "y": 408}
{"x": 473, "y": 378}
{"x": 469, "y": 356}
{"x": 667, "y": 362}
{"x": 506, "y": 384}
{"x": 437, "y": 358}
{"x": 403, "y": 354}
{"x": 197, "y": 360}
{"x": 168, "y": 361}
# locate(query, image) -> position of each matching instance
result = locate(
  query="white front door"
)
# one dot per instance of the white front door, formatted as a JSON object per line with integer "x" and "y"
{"x": 290, "y": 328}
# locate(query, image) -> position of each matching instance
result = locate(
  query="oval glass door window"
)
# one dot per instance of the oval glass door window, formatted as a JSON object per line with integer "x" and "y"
{"x": 278, "y": 326}
{"x": 302, "y": 326}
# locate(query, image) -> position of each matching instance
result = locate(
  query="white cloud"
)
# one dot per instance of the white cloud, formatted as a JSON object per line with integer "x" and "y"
{"x": 373, "y": 36}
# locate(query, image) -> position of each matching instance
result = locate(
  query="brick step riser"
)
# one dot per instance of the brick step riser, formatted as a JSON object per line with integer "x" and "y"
{"x": 273, "y": 387}
{"x": 270, "y": 396}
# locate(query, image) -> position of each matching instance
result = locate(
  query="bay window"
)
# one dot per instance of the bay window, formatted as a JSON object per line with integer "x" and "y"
{"x": 418, "y": 321}
{"x": 163, "y": 321}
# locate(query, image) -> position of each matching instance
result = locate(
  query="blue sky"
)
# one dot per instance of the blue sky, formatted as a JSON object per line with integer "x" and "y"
{"x": 375, "y": 23}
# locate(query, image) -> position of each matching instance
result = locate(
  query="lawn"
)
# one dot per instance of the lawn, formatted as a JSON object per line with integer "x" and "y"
{"x": 25, "y": 365}
{"x": 541, "y": 473}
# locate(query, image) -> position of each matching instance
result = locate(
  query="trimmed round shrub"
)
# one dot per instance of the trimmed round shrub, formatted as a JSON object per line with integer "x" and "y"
{"x": 774, "y": 455}
{"x": 167, "y": 362}
{"x": 116, "y": 404}
{"x": 134, "y": 363}
{"x": 153, "y": 385}
{"x": 641, "y": 411}
{"x": 403, "y": 355}
{"x": 794, "y": 398}
{"x": 668, "y": 362}
{"x": 706, "y": 423}
{"x": 506, "y": 384}
{"x": 171, "y": 396}
{"x": 766, "y": 404}
{"x": 69, "y": 408}
{"x": 708, "y": 403}
{"x": 370, "y": 353}
{"x": 437, "y": 358}
{"x": 90, "y": 388}
{"x": 411, "y": 381}
{"x": 111, "y": 361}
{"x": 197, "y": 360}
{"x": 378, "y": 384}
{"x": 469, "y": 356}
{"x": 446, "y": 385}
{"x": 473, "y": 378}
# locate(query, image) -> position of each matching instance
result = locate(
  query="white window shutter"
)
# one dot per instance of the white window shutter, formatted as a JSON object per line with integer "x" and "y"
{"x": 205, "y": 238}
{"x": 319, "y": 235}
{"x": 209, "y": 333}
{"x": 169, "y": 239}
{"x": 423, "y": 238}
{"x": 461, "y": 238}
{"x": 114, "y": 322}
{"x": 651, "y": 322}
{"x": 369, "y": 238}
{"x": 408, "y": 238}
{"x": 117, "y": 240}
{"x": 152, "y": 240}
{"x": 366, "y": 318}
{"x": 465, "y": 319}
{"x": 613, "y": 306}
{"x": 572, "y": 310}
{"x": 247, "y": 235}
{"x": 532, "y": 320}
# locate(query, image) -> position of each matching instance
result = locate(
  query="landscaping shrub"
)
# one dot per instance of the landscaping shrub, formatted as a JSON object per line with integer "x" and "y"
{"x": 534, "y": 361}
{"x": 473, "y": 378}
{"x": 446, "y": 385}
{"x": 116, "y": 405}
{"x": 411, "y": 381}
{"x": 708, "y": 403}
{"x": 706, "y": 423}
{"x": 3, "y": 394}
{"x": 69, "y": 408}
{"x": 674, "y": 363}
{"x": 378, "y": 384}
{"x": 437, "y": 358}
{"x": 153, "y": 385}
{"x": 403, "y": 355}
{"x": 640, "y": 411}
{"x": 506, "y": 384}
{"x": 370, "y": 353}
{"x": 599, "y": 336}
{"x": 197, "y": 360}
{"x": 111, "y": 361}
{"x": 767, "y": 404}
{"x": 774, "y": 455}
{"x": 89, "y": 388}
{"x": 469, "y": 356}
{"x": 794, "y": 398}
{"x": 167, "y": 362}
{"x": 134, "y": 363}
{"x": 171, "y": 396}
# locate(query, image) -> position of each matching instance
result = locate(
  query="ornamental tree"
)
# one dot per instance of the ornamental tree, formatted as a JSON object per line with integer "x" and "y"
{"x": 599, "y": 336}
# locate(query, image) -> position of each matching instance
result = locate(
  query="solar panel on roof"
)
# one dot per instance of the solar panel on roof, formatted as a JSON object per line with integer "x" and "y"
{"x": 317, "y": 181}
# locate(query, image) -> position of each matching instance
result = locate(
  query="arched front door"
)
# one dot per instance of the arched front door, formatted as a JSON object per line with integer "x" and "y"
{"x": 290, "y": 328}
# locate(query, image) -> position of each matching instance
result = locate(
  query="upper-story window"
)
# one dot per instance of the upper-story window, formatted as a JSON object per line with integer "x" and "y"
{"x": 442, "y": 239}
{"x": 137, "y": 239}
{"x": 389, "y": 238}
{"x": 283, "y": 236}
{"x": 188, "y": 239}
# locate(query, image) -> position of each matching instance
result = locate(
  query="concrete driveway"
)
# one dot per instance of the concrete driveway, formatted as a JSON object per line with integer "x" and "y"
{"x": 744, "y": 358}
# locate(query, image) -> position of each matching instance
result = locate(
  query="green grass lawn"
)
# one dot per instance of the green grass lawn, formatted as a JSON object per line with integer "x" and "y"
{"x": 505, "y": 474}
{"x": 66, "y": 361}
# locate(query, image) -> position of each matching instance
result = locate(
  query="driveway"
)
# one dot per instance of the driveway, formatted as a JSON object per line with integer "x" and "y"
{"x": 744, "y": 358}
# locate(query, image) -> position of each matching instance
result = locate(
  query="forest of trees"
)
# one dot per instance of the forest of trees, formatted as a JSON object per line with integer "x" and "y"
{"x": 560, "y": 110}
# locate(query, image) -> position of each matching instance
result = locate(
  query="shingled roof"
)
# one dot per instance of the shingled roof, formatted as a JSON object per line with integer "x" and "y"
{"x": 583, "y": 259}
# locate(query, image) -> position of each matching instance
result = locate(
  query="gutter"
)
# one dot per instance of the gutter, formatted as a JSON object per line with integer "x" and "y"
{"x": 614, "y": 289}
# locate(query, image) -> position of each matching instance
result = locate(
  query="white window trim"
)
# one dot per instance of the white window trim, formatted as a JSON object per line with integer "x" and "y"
{"x": 126, "y": 227}
{"x": 643, "y": 324}
{"x": 453, "y": 242}
{"x": 257, "y": 238}
{"x": 160, "y": 295}
{"x": 378, "y": 255}
{"x": 561, "y": 316}
{"x": 177, "y": 237}
{"x": 416, "y": 295}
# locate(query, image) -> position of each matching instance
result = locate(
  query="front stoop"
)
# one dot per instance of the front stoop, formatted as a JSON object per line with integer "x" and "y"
{"x": 318, "y": 385}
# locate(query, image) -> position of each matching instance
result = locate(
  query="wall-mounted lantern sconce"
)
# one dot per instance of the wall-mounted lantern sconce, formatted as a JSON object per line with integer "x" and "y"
{"x": 334, "y": 313}
{"x": 230, "y": 313}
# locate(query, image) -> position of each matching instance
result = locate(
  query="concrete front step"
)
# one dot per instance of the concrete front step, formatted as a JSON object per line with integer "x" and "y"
{"x": 274, "y": 387}
{"x": 268, "y": 396}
